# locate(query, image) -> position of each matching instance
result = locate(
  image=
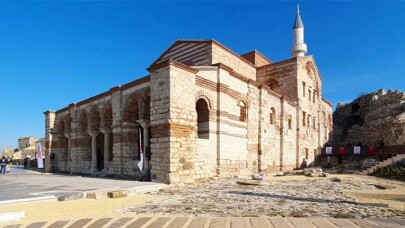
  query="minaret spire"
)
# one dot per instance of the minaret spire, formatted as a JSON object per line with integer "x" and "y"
{"x": 299, "y": 47}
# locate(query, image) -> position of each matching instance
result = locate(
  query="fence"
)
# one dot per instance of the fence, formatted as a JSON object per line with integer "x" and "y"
{"x": 364, "y": 151}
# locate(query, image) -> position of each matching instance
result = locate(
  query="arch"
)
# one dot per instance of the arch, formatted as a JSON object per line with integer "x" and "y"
{"x": 323, "y": 118}
{"x": 94, "y": 118}
{"x": 204, "y": 95}
{"x": 272, "y": 116}
{"x": 330, "y": 121}
{"x": 203, "y": 115}
{"x": 83, "y": 121}
{"x": 243, "y": 111}
{"x": 131, "y": 110}
{"x": 146, "y": 108}
{"x": 355, "y": 108}
{"x": 353, "y": 120}
{"x": 311, "y": 70}
{"x": 107, "y": 116}
{"x": 61, "y": 127}
{"x": 308, "y": 120}
{"x": 314, "y": 122}
{"x": 68, "y": 124}
{"x": 289, "y": 121}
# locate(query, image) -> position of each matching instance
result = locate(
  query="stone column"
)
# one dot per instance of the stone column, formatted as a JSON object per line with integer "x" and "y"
{"x": 107, "y": 134}
{"x": 93, "y": 135}
{"x": 145, "y": 125}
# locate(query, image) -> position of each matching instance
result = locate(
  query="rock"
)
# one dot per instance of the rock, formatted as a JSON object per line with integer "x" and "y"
{"x": 96, "y": 195}
{"x": 298, "y": 172}
{"x": 69, "y": 196}
{"x": 117, "y": 194}
{"x": 286, "y": 173}
{"x": 308, "y": 171}
{"x": 280, "y": 174}
{"x": 314, "y": 175}
{"x": 252, "y": 182}
{"x": 318, "y": 170}
{"x": 258, "y": 176}
{"x": 325, "y": 174}
{"x": 336, "y": 179}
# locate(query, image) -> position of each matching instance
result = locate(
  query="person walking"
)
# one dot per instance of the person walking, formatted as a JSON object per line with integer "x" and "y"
{"x": 8, "y": 164}
{"x": 3, "y": 163}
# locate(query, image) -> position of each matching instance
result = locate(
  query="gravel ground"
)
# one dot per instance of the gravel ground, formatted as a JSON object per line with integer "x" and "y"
{"x": 295, "y": 196}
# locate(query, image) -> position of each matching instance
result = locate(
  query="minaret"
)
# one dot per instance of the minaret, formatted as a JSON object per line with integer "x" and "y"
{"x": 299, "y": 47}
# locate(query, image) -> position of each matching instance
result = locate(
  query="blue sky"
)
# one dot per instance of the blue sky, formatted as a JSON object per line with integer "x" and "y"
{"x": 54, "y": 53}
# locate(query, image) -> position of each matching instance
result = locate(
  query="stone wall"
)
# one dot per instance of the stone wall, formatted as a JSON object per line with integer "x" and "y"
{"x": 173, "y": 123}
{"x": 280, "y": 77}
{"x": 370, "y": 118}
{"x": 220, "y": 54}
{"x": 207, "y": 148}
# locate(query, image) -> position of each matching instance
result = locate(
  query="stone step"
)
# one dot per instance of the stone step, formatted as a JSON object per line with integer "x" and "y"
{"x": 218, "y": 222}
{"x": 384, "y": 163}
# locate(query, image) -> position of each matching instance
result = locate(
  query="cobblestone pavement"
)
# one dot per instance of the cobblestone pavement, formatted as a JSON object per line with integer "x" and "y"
{"x": 217, "y": 222}
{"x": 295, "y": 198}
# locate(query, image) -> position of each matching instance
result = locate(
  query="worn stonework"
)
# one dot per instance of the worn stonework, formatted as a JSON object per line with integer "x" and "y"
{"x": 370, "y": 118}
{"x": 203, "y": 111}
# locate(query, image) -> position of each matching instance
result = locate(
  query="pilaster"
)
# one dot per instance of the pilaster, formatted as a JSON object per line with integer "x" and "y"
{"x": 49, "y": 126}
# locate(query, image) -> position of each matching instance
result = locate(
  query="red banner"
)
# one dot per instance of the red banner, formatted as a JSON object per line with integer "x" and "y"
{"x": 342, "y": 150}
{"x": 372, "y": 150}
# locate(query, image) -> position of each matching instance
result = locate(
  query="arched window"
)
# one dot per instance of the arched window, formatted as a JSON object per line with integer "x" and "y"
{"x": 272, "y": 116}
{"x": 243, "y": 111}
{"x": 324, "y": 118}
{"x": 330, "y": 120}
{"x": 289, "y": 121}
{"x": 313, "y": 97}
{"x": 308, "y": 118}
{"x": 203, "y": 115}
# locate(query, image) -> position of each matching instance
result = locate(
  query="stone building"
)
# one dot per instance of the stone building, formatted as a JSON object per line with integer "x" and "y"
{"x": 203, "y": 111}
{"x": 28, "y": 146}
{"x": 370, "y": 118}
{"x": 27, "y": 141}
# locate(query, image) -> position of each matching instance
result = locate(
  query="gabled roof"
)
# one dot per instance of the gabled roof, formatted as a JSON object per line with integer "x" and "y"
{"x": 209, "y": 42}
{"x": 255, "y": 56}
{"x": 175, "y": 44}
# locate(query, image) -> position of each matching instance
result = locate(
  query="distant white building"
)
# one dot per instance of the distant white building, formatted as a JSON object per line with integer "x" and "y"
{"x": 25, "y": 142}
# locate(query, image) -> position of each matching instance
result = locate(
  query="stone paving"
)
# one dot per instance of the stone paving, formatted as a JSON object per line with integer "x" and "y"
{"x": 217, "y": 222}
{"x": 307, "y": 197}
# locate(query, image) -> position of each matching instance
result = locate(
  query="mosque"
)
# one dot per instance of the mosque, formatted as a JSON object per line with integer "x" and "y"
{"x": 203, "y": 111}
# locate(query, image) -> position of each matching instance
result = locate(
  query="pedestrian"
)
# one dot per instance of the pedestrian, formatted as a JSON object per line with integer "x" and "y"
{"x": 8, "y": 164}
{"x": 3, "y": 163}
{"x": 25, "y": 163}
